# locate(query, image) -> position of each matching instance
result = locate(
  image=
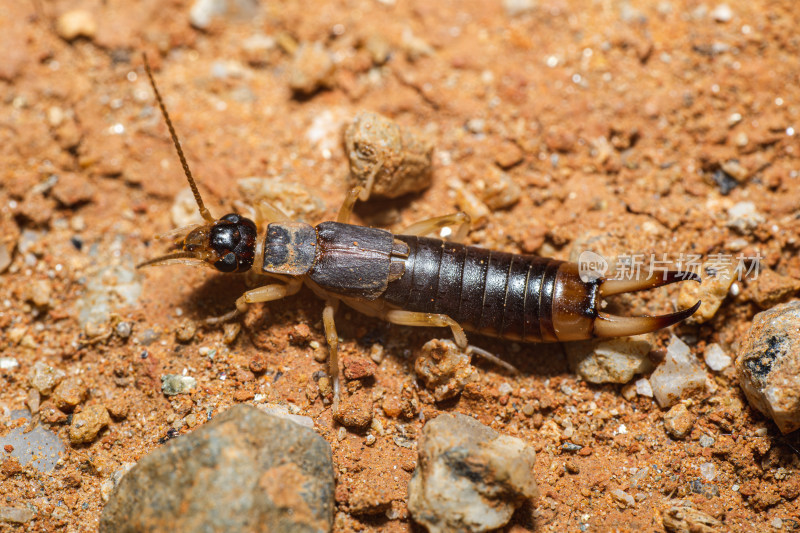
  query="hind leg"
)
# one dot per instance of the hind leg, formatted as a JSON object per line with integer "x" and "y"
{"x": 431, "y": 225}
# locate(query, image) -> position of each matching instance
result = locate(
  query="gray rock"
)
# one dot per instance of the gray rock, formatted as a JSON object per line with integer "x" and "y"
{"x": 40, "y": 447}
{"x": 610, "y": 361}
{"x": 468, "y": 476}
{"x": 243, "y": 471}
{"x": 768, "y": 365}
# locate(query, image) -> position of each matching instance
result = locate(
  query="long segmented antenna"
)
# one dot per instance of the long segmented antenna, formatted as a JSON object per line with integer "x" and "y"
{"x": 203, "y": 210}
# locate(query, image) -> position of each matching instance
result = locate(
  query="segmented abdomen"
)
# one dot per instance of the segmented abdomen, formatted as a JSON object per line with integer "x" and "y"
{"x": 493, "y": 293}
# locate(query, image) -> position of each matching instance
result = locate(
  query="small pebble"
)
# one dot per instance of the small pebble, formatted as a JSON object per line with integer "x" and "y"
{"x": 173, "y": 384}
{"x": 711, "y": 292}
{"x": 8, "y": 363}
{"x": 123, "y": 330}
{"x": 69, "y": 393}
{"x": 355, "y": 410}
{"x": 45, "y": 378}
{"x": 716, "y": 358}
{"x": 678, "y": 421}
{"x": 708, "y": 471}
{"x": 376, "y": 353}
{"x": 722, "y": 13}
{"x": 88, "y": 423}
{"x": 358, "y": 367}
{"x": 678, "y": 375}
{"x": 706, "y": 441}
{"x": 771, "y": 288}
{"x": 744, "y": 218}
{"x": 444, "y": 368}
{"x": 76, "y": 23}
{"x": 230, "y": 331}
{"x": 369, "y": 440}
{"x": 39, "y": 293}
{"x": 398, "y": 159}
{"x": 685, "y": 519}
{"x": 643, "y": 387}
{"x": 311, "y": 69}
{"x": 623, "y": 498}
{"x": 258, "y": 364}
{"x": 572, "y": 467}
{"x": 610, "y": 361}
{"x": 15, "y": 515}
{"x": 185, "y": 331}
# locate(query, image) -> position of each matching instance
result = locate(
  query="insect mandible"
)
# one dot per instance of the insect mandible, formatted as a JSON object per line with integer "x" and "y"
{"x": 408, "y": 279}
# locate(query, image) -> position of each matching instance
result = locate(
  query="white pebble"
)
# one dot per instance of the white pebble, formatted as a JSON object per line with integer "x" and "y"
{"x": 722, "y": 13}
{"x": 708, "y": 471}
{"x": 716, "y": 358}
{"x": 623, "y": 497}
{"x": 676, "y": 375}
{"x": 643, "y": 387}
{"x": 8, "y": 363}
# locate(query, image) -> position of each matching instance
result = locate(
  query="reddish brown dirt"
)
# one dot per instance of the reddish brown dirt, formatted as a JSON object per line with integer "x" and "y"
{"x": 612, "y": 119}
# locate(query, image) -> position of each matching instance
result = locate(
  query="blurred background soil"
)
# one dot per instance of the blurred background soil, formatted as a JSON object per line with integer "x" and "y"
{"x": 636, "y": 123}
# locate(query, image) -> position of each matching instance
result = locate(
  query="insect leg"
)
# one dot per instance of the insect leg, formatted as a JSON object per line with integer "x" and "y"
{"x": 267, "y": 293}
{"x": 333, "y": 348}
{"x": 367, "y": 190}
{"x": 410, "y": 318}
{"x": 347, "y": 206}
{"x": 429, "y": 226}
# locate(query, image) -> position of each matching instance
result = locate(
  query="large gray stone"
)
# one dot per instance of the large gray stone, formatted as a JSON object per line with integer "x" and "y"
{"x": 769, "y": 365}
{"x": 468, "y": 476}
{"x": 243, "y": 471}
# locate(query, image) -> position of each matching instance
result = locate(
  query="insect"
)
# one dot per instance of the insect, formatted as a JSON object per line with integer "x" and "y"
{"x": 407, "y": 279}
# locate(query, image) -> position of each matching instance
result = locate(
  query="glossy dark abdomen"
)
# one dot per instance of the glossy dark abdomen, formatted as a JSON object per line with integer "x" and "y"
{"x": 494, "y": 293}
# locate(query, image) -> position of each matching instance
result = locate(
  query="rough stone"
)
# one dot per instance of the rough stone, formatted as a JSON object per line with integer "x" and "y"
{"x": 76, "y": 23}
{"x": 355, "y": 410}
{"x": 711, "y": 291}
{"x": 678, "y": 421}
{"x": 312, "y": 68}
{"x": 174, "y": 384}
{"x": 358, "y": 367}
{"x": 44, "y": 378}
{"x": 610, "y": 361}
{"x": 770, "y": 288}
{"x": 69, "y": 393}
{"x": 685, "y": 519}
{"x": 15, "y": 515}
{"x": 716, "y": 358}
{"x": 679, "y": 374}
{"x": 444, "y": 368}
{"x": 398, "y": 159}
{"x": 768, "y": 365}
{"x": 468, "y": 476}
{"x": 245, "y": 471}
{"x": 88, "y": 423}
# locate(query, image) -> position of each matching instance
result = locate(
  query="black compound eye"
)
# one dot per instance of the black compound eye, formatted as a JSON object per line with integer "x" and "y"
{"x": 233, "y": 238}
{"x": 228, "y": 263}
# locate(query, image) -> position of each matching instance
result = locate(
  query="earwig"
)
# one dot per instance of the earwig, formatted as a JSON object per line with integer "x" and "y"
{"x": 409, "y": 279}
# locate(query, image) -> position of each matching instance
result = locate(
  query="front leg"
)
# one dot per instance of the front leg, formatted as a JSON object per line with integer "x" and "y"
{"x": 267, "y": 293}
